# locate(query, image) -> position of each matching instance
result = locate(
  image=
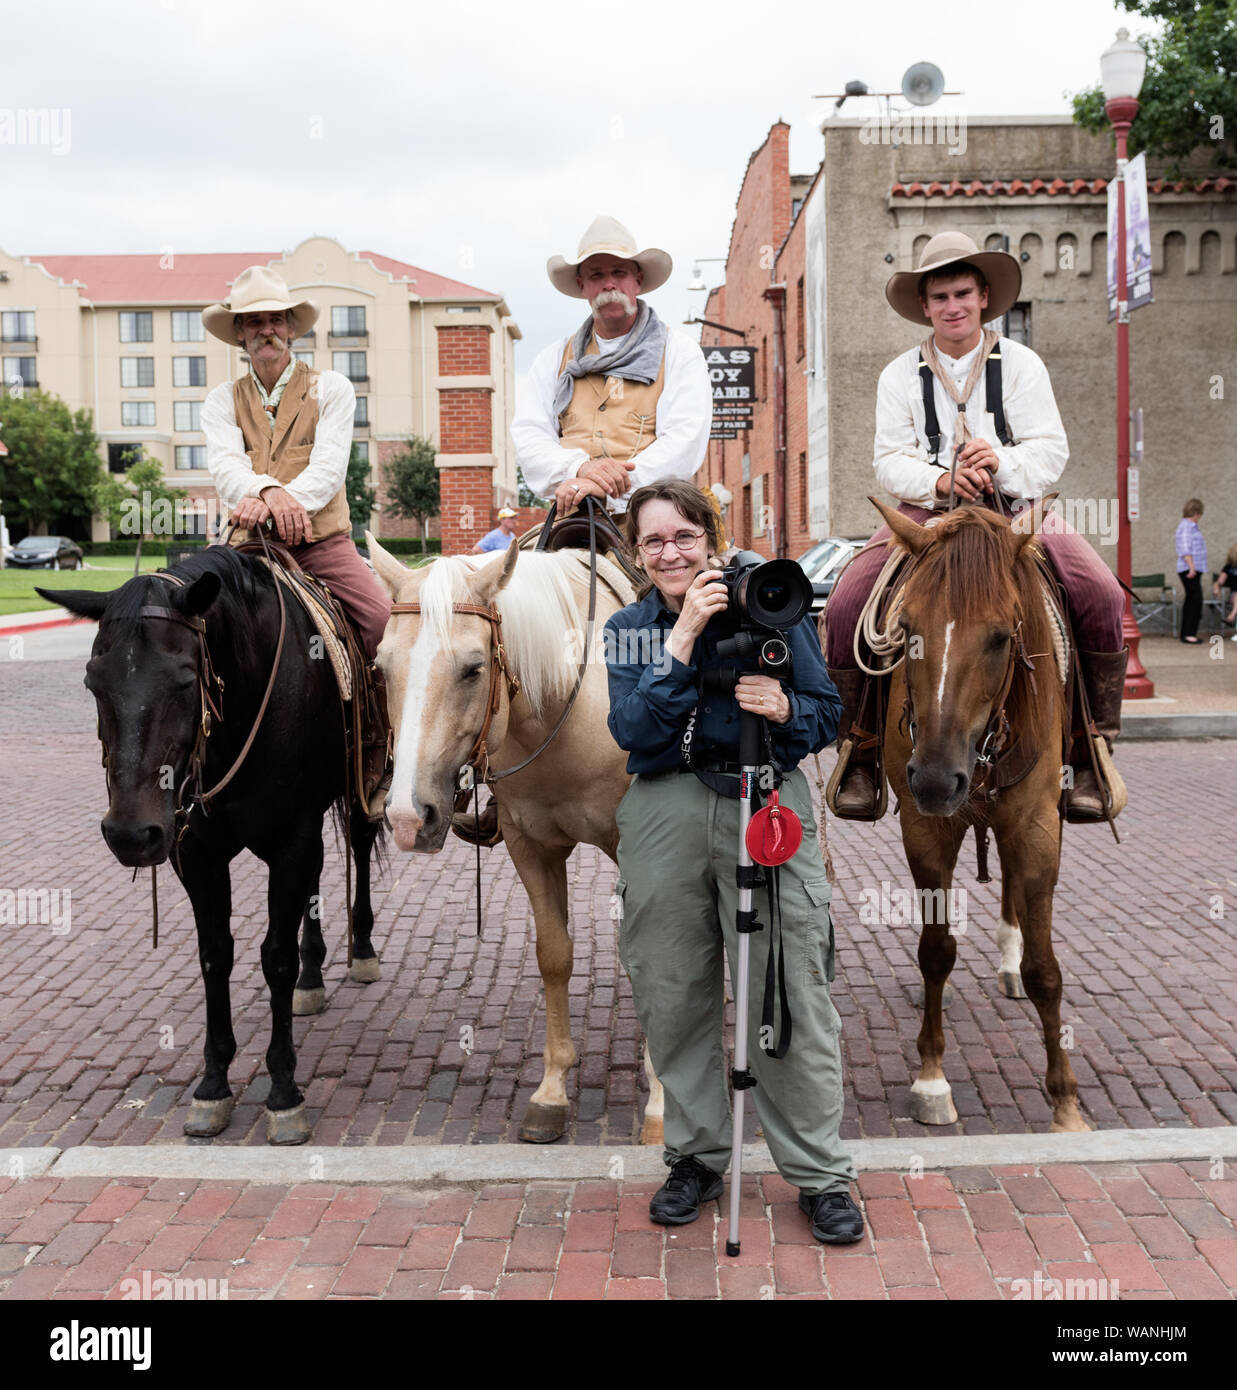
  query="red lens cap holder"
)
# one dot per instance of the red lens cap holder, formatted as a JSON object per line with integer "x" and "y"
{"x": 774, "y": 833}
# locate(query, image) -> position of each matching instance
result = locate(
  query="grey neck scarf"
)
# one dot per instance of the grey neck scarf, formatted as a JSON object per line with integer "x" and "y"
{"x": 638, "y": 358}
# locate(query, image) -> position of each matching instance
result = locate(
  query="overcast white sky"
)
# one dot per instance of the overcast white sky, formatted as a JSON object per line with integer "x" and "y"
{"x": 473, "y": 139}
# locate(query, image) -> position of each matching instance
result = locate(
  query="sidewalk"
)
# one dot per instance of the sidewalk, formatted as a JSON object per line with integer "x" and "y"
{"x": 1195, "y": 690}
{"x": 1159, "y": 1231}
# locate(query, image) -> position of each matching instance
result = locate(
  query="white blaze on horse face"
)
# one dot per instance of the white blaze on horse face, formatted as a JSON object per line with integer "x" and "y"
{"x": 940, "y": 689}
{"x": 405, "y": 813}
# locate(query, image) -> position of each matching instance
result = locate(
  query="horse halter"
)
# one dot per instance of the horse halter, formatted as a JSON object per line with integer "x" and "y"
{"x": 479, "y": 758}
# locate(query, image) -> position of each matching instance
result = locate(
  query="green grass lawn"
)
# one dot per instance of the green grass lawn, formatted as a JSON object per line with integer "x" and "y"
{"x": 106, "y": 572}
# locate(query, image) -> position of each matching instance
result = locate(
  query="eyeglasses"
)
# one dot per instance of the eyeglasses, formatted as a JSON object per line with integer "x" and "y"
{"x": 682, "y": 540}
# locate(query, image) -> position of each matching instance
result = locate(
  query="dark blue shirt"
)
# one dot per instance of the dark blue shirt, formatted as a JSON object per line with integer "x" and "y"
{"x": 652, "y": 694}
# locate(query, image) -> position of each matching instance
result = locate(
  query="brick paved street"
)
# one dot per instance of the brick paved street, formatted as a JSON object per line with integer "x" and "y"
{"x": 100, "y": 1038}
{"x": 1151, "y": 1232}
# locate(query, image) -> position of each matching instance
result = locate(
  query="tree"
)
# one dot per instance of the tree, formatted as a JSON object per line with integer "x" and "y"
{"x": 138, "y": 502}
{"x": 361, "y": 497}
{"x": 527, "y": 497}
{"x": 412, "y": 484}
{"x": 53, "y": 459}
{"x": 1189, "y": 95}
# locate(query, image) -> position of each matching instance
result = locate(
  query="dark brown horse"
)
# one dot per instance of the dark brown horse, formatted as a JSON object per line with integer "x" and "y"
{"x": 980, "y": 680}
{"x": 160, "y": 676}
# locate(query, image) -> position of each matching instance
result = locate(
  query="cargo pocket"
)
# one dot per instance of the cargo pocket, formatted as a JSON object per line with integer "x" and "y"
{"x": 818, "y": 949}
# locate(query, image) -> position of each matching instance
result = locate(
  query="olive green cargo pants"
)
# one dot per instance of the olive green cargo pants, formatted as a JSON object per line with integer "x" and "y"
{"x": 677, "y": 852}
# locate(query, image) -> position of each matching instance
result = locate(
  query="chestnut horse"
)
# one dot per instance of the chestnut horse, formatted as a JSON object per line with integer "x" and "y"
{"x": 980, "y": 677}
{"x": 439, "y": 663}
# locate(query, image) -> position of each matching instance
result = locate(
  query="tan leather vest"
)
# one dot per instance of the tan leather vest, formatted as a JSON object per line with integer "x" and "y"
{"x": 607, "y": 416}
{"x": 284, "y": 452}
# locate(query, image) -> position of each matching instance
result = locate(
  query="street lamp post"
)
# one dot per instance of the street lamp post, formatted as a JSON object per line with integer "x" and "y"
{"x": 1122, "y": 66}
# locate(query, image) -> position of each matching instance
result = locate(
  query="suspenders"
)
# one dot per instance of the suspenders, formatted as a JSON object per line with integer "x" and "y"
{"x": 992, "y": 384}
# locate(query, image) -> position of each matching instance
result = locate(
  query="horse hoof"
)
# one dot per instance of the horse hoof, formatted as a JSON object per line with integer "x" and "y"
{"x": 365, "y": 972}
{"x": 1011, "y": 984}
{"x": 543, "y": 1124}
{"x": 654, "y": 1131}
{"x": 1069, "y": 1124}
{"x": 947, "y": 996}
{"x": 308, "y": 1001}
{"x": 209, "y": 1117}
{"x": 933, "y": 1107}
{"x": 287, "y": 1126}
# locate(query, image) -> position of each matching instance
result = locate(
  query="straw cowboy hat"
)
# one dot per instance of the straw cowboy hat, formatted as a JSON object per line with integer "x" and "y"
{"x": 999, "y": 268}
{"x": 255, "y": 290}
{"x": 608, "y": 237}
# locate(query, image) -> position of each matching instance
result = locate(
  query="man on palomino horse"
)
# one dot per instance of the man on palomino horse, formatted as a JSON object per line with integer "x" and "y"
{"x": 966, "y": 389}
{"x": 277, "y": 446}
{"x": 622, "y": 402}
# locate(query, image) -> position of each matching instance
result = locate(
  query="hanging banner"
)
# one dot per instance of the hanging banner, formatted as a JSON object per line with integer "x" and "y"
{"x": 732, "y": 379}
{"x": 1137, "y": 238}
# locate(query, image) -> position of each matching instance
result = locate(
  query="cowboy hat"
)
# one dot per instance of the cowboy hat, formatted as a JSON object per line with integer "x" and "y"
{"x": 999, "y": 268}
{"x": 256, "y": 290}
{"x": 608, "y": 237}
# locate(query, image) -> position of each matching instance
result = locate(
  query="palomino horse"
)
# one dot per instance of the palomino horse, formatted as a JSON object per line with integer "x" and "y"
{"x": 980, "y": 679}
{"x": 179, "y": 670}
{"x": 442, "y": 663}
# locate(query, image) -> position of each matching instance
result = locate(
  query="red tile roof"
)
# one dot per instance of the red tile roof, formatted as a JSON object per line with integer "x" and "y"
{"x": 1034, "y": 186}
{"x": 205, "y": 278}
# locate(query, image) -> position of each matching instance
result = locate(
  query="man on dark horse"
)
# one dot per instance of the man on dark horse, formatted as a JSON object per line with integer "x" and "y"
{"x": 993, "y": 404}
{"x": 622, "y": 401}
{"x": 277, "y": 446}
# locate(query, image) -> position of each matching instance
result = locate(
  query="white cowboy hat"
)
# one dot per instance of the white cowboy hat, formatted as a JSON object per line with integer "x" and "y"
{"x": 999, "y": 268}
{"x": 608, "y": 237}
{"x": 255, "y": 290}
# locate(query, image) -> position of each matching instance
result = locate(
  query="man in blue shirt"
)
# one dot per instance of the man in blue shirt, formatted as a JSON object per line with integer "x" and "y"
{"x": 501, "y": 536}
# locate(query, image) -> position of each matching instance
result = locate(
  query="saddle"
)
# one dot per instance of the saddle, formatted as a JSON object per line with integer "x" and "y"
{"x": 572, "y": 533}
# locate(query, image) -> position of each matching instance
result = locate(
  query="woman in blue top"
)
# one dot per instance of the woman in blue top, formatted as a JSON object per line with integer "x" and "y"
{"x": 677, "y": 854}
{"x": 1191, "y": 566}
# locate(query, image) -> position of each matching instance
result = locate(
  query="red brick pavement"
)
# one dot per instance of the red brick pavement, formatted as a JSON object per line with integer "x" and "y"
{"x": 101, "y": 1037}
{"x": 972, "y": 1233}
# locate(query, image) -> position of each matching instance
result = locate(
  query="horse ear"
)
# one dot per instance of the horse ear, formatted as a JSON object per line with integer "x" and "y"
{"x": 497, "y": 574}
{"x": 913, "y": 536}
{"x": 1030, "y": 521}
{"x": 197, "y": 597}
{"x": 391, "y": 574}
{"x": 86, "y": 603}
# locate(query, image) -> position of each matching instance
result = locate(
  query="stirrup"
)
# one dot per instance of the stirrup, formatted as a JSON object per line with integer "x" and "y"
{"x": 880, "y": 787}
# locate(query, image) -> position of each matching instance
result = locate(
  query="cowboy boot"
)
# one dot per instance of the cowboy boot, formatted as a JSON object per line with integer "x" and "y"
{"x": 476, "y": 830}
{"x": 377, "y": 764}
{"x": 857, "y": 788}
{"x": 1103, "y": 674}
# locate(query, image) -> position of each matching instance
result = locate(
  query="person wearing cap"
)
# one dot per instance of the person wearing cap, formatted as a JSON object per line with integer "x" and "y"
{"x": 501, "y": 536}
{"x": 623, "y": 401}
{"x": 955, "y": 290}
{"x": 277, "y": 446}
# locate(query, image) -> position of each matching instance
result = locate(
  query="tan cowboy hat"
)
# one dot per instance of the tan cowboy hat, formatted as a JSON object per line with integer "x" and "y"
{"x": 999, "y": 268}
{"x": 255, "y": 290}
{"x": 608, "y": 237}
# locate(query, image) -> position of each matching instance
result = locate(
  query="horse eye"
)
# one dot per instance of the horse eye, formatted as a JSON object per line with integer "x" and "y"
{"x": 472, "y": 673}
{"x": 999, "y": 637}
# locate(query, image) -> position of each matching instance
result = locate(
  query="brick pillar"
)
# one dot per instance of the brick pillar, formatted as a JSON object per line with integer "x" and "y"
{"x": 465, "y": 438}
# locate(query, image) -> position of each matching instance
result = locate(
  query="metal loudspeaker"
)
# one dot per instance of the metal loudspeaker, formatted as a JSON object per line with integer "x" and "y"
{"x": 922, "y": 84}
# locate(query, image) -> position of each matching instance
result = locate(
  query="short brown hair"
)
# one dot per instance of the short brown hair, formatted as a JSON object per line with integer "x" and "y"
{"x": 695, "y": 504}
{"x": 1192, "y": 508}
{"x": 952, "y": 272}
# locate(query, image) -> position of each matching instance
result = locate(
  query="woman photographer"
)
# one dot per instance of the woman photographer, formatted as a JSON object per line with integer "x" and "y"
{"x": 678, "y": 848}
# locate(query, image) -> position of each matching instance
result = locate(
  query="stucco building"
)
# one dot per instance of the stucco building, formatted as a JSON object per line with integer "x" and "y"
{"x": 427, "y": 354}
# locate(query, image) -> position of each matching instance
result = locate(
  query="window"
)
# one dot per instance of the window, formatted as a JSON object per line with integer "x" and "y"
{"x": 191, "y": 456}
{"x": 1020, "y": 323}
{"x": 18, "y": 326}
{"x": 188, "y": 371}
{"x": 747, "y": 515}
{"x": 186, "y": 416}
{"x": 137, "y": 328}
{"x": 350, "y": 364}
{"x": 463, "y": 308}
{"x": 187, "y": 326}
{"x": 362, "y": 450}
{"x": 348, "y": 320}
{"x": 306, "y": 357}
{"x": 800, "y": 333}
{"x": 137, "y": 371}
{"x": 764, "y": 369}
{"x": 20, "y": 369}
{"x": 360, "y": 416}
{"x": 120, "y": 456}
{"x": 137, "y": 414}
{"x": 795, "y": 205}
{"x": 803, "y": 514}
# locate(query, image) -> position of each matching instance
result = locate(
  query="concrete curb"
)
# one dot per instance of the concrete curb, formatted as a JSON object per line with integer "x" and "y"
{"x": 27, "y": 1163}
{"x": 480, "y": 1163}
{"x": 1178, "y": 726}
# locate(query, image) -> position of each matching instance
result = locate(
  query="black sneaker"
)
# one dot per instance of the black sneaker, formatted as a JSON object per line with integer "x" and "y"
{"x": 835, "y": 1218}
{"x": 678, "y": 1199}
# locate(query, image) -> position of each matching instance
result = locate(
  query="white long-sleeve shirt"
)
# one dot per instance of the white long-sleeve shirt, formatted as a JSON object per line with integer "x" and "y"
{"x": 321, "y": 478}
{"x": 1026, "y": 469}
{"x": 684, "y": 416}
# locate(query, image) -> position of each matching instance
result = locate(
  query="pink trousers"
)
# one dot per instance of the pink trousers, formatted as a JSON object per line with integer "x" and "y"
{"x": 337, "y": 562}
{"x": 1095, "y": 598}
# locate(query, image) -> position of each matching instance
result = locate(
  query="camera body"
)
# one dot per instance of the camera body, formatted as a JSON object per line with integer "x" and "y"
{"x": 768, "y": 597}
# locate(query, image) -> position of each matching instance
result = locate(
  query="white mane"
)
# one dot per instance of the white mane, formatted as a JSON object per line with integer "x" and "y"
{"x": 542, "y": 628}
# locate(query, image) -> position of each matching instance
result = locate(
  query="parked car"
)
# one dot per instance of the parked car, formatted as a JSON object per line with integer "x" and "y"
{"x": 823, "y": 563}
{"x": 46, "y": 552}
